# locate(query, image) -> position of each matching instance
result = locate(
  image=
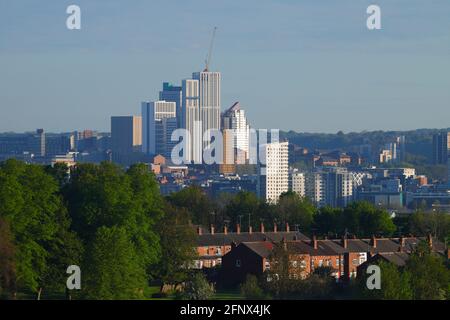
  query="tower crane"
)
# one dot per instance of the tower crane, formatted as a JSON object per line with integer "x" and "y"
{"x": 208, "y": 57}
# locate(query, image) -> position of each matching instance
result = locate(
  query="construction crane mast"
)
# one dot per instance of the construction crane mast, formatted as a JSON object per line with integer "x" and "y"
{"x": 208, "y": 57}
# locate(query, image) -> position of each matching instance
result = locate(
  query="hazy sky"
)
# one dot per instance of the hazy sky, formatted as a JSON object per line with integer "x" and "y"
{"x": 304, "y": 65}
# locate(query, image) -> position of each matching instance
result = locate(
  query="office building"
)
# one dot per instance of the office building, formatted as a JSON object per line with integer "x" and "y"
{"x": 209, "y": 102}
{"x": 172, "y": 93}
{"x": 234, "y": 119}
{"x": 155, "y": 126}
{"x": 191, "y": 120}
{"x": 126, "y": 137}
{"x": 441, "y": 147}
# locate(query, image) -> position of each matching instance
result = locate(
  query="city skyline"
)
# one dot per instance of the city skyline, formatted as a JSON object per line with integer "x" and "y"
{"x": 320, "y": 72}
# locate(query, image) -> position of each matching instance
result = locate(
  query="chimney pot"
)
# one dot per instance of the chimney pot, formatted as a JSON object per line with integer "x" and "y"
{"x": 199, "y": 230}
{"x": 250, "y": 229}
{"x": 287, "y": 227}
{"x": 212, "y": 229}
{"x": 275, "y": 228}
{"x": 238, "y": 228}
{"x": 262, "y": 227}
{"x": 225, "y": 229}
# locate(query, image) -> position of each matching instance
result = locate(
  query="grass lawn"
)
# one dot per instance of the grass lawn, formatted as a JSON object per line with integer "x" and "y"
{"x": 228, "y": 295}
{"x": 219, "y": 295}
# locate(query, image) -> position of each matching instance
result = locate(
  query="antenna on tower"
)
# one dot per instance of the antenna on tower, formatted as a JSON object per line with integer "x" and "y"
{"x": 208, "y": 57}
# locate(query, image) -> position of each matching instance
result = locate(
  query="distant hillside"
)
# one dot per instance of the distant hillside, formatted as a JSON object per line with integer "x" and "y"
{"x": 418, "y": 142}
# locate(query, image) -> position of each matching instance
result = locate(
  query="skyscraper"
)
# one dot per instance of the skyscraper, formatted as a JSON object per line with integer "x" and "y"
{"x": 441, "y": 147}
{"x": 126, "y": 137}
{"x": 154, "y": 134}
{"x": 234, "y": 119}
{"x": 209, "y": 101}
{"x": 172, "y": 93}
{"x": 200, "y": 111}
{"x": 191, "y": 119}
{"x": 273, "y": 171}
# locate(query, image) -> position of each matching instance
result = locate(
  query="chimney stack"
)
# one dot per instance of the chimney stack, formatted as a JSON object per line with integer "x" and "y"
{"x": 262, "y": 227}
{"x": 345, "y": 242}
{"x": 287, "y": 227}
{"x": 275, "y": 228}
{"x": 238, "y": 228}
{"x": 225, "y": 229}
{"x": 315, "y": 242}
{"x": 374, "y": 241}
{"x": 402, "y": 241}
{"x": 212, "y": 229}
{"x": 430, "y": 241}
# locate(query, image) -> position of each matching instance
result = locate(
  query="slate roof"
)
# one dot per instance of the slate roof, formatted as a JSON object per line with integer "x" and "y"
{"x": 386, "y": 248}
{"x": 397, "y": 258}
{"x": 220, "y": 239}
{"x": 262, "y": 249}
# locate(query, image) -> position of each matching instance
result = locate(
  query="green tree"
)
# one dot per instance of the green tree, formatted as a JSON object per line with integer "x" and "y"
{"x": 326, "y": 221}
{"x": 112, "y": 269}
{"x": 435, "y": 223}
{"x": 364, "y": 219}
{"x": 60, "y": 172}
{"x": 196, "y": 202}
{"x": 7, "y": 260}
{"x": 198, "y": 288}
{"x": 106, "y": 196}
{"x": 360, "y": 218}
{"x": 177, "y": 247}
{"x": 296, "y": 210}
{"x": 250, "y": 289}
{"x": 430, "y": 278}
{"x": 395, "y": 284}
{"x": 30, "y": 202}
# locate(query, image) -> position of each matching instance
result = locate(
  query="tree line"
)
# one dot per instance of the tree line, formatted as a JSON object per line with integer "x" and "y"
{"x": 112, "y": 223}
{"x": 125, "y": 236}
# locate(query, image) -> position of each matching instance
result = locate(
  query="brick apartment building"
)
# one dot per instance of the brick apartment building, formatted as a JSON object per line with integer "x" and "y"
{"x": 343, "y": 256}
{"x": 212, "y": 245}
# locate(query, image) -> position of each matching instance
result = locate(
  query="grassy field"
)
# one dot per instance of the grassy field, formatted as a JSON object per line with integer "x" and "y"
{"x": 219, "y": 295}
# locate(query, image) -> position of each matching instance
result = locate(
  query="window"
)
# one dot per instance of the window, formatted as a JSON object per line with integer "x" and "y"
{"x": 362, "y": 257}
{"x": 355, "y": 262}
{"x": 294, "y": 264}
{"x": 320, "y": 263}
{"x": 238, "y": 263}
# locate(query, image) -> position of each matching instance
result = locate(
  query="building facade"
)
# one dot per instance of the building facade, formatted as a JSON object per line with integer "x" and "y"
{"x": 273, "y": 171}
{"x": 155, "y": 116}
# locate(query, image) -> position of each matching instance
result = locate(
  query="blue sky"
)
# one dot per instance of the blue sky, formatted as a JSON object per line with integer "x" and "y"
{"x": 302, "y": 65}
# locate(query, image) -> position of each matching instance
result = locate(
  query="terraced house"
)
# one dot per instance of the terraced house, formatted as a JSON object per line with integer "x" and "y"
{"x": 341, "y": 256}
